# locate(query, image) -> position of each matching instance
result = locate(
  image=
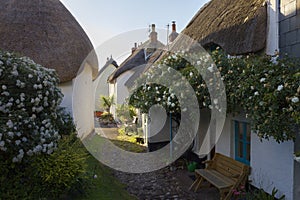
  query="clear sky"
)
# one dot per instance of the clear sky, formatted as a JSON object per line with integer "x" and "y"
{"x": 104, "y": 19}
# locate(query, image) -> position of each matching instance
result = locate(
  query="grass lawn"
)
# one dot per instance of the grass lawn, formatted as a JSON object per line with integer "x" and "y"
{"x": 105, "y": 186}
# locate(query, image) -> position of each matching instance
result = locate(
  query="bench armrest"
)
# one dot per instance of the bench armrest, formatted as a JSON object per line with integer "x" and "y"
{"x": 235, "y": 176}
{"x": 207, "y": 161}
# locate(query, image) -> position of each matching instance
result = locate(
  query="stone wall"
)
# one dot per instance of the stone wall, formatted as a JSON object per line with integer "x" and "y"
{"x": 289, "y": 27}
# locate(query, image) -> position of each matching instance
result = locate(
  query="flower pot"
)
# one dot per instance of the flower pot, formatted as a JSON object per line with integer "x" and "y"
{"x": 192, "y": 166}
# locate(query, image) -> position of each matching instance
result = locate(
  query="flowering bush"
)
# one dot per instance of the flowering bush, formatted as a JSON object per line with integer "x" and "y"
{"x": 30, "y": 116}
{"x": 267, "y": 90}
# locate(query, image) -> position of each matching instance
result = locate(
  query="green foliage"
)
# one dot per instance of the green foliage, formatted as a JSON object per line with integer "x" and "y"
{"x": 46, "y": 176}
{"x": 262, "y": 195}
{"x": 126, "y": 113}
{"x": 107, "y": 102}
{"x": 267, "y": 90}
{"x": 107, "y": 117}
{"x": 63, "y": 170}
{"x": 255, "y": 194}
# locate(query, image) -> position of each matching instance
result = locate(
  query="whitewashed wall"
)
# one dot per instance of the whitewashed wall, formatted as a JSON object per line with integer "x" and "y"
{"x": 158, "y": 125}
{"x": 67, "y": 90}
{"x": 225, "y": 144}
{"x": 83, "y": 102}
{"x": 121, "y": 90}
{"x": 272, "y": 165}
{"x": 273, "y": 27}
{"x": 101, "y": 86}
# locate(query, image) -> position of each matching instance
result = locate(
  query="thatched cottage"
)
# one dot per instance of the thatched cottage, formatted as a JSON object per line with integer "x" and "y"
{"x": 253, "y": 26}
{"x": 47, "y": 32}
{"x": 122, "y": 79}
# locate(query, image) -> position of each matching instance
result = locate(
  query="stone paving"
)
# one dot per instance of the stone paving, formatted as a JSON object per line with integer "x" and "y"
{"x": 164, "y": 184}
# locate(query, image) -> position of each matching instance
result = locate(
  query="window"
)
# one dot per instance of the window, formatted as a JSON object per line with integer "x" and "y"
{"x": 242, "y": 131}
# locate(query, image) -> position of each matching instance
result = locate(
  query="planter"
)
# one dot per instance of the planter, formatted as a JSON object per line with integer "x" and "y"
{"x": 98, "y": 113}
{"x": 192, "y": 166}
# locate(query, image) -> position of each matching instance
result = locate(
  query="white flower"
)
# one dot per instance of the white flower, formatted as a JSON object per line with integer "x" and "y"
{"x": 173, "y": 105}
{"x": 10, "y": 124}
{"x": 95, "y": 176}
{"x": 252, "y": 87}
{"x": 280, "y": 87}
{"x": 216, "y": 101}
{"x": 191, "y": 74}
{"x": 4, "y": 87}
{"x": 295, "y": 99}
{"x": 2, "y": 143}
{"x": 262, "y": 80}
{"x": 198, "y": 62}
{"x": 256, "y": 93}
{"x": 211, "y": 68}
{"x": 10, "y": 134}
{"x": 14, "y": 160}
{"x": 159, "y": 99}
{"x": 17, "y": 142}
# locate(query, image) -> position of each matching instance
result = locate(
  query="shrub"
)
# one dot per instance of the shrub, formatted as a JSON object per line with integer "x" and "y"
{"x": 29, "y": 108}
{"x": 46, "y": 176}
{"x": 34, "y": 162}
{"x": 62, "y": 171}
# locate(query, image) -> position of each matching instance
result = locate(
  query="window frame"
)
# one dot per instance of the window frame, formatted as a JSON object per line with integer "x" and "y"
{"x": 244, "y": 141}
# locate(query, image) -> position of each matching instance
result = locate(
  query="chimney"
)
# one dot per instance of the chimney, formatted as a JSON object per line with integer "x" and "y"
{"x": 134, "y": 48}
{"x": 173, "y": 26}
{"x": 173, "y": 34}
{"x": 153, "y": 34}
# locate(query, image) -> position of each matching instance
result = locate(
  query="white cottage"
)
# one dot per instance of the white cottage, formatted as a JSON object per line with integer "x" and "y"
{"x": 101, "y": 85}
{"x": 122, "y": 79}
{"x": 253, "y": 26}
{"x": 47, "y": 32}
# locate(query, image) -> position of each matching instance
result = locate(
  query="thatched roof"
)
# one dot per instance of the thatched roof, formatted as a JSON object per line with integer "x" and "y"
{"x": 142, "y": 68}
{"x": 138, "y": 58}
{"x": 46, "y": 32}
{"x": 109, "y": 62}
{"x": 237, "y": 26}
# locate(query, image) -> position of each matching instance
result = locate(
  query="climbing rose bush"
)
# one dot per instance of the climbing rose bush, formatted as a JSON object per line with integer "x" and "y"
{"x": 29, "y": 108}
{"x": 265, "y": 89}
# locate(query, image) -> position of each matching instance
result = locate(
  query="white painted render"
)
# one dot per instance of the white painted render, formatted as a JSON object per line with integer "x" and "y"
{"x": 272, "y": 165}
{"x": 83, "y": 102}
{"x": 67, "y": 90}
{"x": 119, "y": 90}
{"x": 102, "y": 86}
{"x": 273, "y": 27}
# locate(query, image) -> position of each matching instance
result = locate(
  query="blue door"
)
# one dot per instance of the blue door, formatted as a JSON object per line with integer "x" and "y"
{"x": 242, "y": 132}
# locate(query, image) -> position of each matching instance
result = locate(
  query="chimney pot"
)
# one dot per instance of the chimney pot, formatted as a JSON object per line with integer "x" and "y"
{"x": 153, "y": 27}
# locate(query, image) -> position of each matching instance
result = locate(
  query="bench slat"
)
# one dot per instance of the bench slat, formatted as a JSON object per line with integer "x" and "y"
{"x": 215, "y": 178}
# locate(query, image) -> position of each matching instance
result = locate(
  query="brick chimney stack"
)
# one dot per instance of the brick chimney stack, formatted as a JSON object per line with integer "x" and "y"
{"x": 173, "y": 26}
{"x": 173, "y": 34}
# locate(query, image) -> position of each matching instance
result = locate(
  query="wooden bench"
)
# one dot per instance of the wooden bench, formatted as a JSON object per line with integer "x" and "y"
{"x": 224, "y": 173}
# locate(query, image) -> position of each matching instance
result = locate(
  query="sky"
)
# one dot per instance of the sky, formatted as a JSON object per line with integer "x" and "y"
{"x": 104, "y": 20}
